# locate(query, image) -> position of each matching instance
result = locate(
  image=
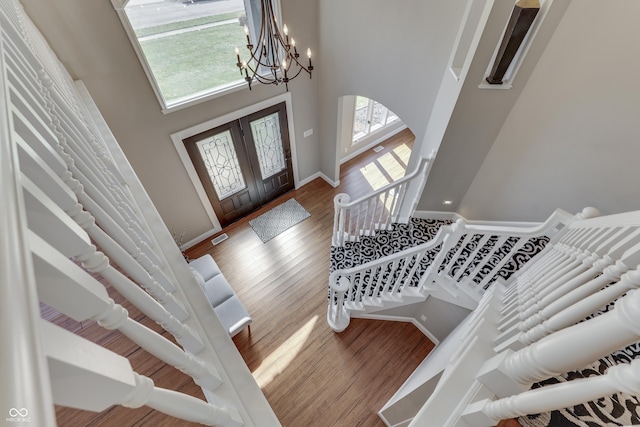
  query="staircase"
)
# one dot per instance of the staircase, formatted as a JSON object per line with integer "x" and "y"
{"x": 401, "y": 264}
{"x": 72, "y": 208}
{"x": 552, "y": 342}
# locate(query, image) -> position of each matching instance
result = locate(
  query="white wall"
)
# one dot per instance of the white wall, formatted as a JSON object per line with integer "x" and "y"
{"x": 572, "y": 138}
{"x": 478, "y": 114}
{"x": 347, "y": 149}
{"x": 393, "y": 52}
{"x": 89, "y": 39}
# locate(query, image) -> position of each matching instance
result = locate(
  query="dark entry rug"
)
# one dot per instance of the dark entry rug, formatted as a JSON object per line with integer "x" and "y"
{"x": 279, "y": 219}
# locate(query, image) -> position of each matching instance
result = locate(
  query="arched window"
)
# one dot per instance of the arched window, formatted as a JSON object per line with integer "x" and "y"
{"x": 370, "y": 117}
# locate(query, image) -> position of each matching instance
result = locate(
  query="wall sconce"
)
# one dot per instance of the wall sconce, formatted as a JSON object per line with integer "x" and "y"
{"x": 522, "y": 16}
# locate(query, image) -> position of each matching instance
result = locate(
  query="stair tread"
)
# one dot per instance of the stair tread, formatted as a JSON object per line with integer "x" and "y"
{"x": 399, "y": 237}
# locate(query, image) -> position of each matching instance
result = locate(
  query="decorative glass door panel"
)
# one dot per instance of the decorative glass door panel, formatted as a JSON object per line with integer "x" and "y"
{"x": 267, "y": 137}
{"x": 223, "y": 167}
{"x": 268, "y": 143}
{"x": 221, "y": 161}
{"x": 245, "y": 163}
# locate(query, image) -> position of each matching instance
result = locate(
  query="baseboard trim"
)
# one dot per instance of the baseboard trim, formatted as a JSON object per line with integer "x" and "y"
{"x": 454, "y": 216}
{"x": 204, "y": 236}
{"x": 372, "y": 144}
{"x": 436, "y": 215}
{"x": 417, "y": 324}
{"x": 307, "y": 180}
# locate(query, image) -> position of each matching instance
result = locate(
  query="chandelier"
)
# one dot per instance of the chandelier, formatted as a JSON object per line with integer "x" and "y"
{"x": 274, "y": 59}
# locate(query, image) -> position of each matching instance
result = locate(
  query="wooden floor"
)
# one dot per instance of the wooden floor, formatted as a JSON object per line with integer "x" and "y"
{"x": 310, "y": 375}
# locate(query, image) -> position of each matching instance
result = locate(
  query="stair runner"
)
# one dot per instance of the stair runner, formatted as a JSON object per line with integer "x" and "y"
{"x": 418, "y": 231}
{"x": 371, "y": 248}
{"x": 617, "y": 410}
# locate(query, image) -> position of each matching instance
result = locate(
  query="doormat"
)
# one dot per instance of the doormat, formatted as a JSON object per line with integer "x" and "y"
{"x": 281, "y": 218}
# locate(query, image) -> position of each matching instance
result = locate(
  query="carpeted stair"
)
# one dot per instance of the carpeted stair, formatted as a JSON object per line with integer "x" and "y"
{"x": 616, "y": 410}
{"x": 383, "y": 243}
{"x": 418, "y": 231}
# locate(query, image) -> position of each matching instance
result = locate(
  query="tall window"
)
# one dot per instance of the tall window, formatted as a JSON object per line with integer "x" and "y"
{"x": 370, "y": 117}
{"x": 187, "y": 46}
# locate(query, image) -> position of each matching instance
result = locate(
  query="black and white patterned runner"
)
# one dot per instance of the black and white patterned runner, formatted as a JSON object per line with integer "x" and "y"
{"x": 418, "y": 231}
{"x": 617, "y": 410}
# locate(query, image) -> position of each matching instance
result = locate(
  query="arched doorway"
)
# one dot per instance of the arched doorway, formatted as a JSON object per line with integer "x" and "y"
{"x": 373, "y": 140}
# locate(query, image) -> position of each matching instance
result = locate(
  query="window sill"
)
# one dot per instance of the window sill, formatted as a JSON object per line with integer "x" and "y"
{"x": 204, "y": 96}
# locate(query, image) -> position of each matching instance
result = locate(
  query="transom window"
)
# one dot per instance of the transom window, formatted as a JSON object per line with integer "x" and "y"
{"x": 370, "y": 117}
{"x": 187, "y": 47}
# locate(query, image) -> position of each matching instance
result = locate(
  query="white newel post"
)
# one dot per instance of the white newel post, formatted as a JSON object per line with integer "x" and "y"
{"x": 339, "y": 202}
{"x": 451, "y": 235}
{"x": 415, "y": 187}
{"x": 337, "y": 315}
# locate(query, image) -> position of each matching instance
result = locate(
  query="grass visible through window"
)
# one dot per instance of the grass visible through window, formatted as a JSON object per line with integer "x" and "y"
{"x": 159, "y": 29}
{"x": 194, "y": 61}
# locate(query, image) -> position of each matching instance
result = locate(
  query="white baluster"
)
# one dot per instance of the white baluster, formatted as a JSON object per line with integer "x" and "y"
{"x": 58, "y": 278}
{"x": 536, "y": 288}
{"x": 402, "y": 278}
{"x": 42, "y": 202}
{"x": 359, "y": 291}
{"x": 456, "y": 255}
{"x": 354, "y": 228}
{"x": 96, "y": 262}
{"x": 621, "y": 378}
{"x": 501, "y": 263}
{"x": 178, "y": 405}
{"x": 90, "y": 152}
{"x": 24, "y": 370}
{"x": 57, "y": 161}
{"x": 568, "y": 349}
{"x": 116, "y": 317}
{"x": 84, "y": 174}
{"x": 87, "y": 376}
{"x": 471, "y": 257}
{"x": 571, "y": 292}
{"x": 568, "y": 290}
{"x": 583, "y": 308}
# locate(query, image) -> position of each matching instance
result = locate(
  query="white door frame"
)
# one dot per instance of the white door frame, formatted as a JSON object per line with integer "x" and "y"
{"x": 179, "y": 136}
